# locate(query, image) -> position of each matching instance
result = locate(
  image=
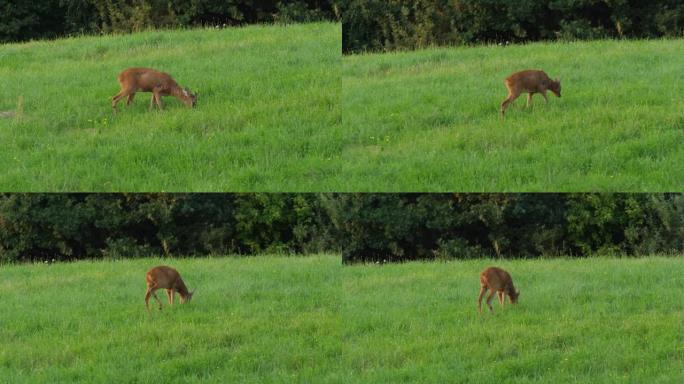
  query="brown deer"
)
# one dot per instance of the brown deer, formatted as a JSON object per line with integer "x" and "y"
{"x": 160, "y": 84}
{"x": 167, "y": 278}
{"x": 499, "y": 281}
{"x": 530, "y": 81}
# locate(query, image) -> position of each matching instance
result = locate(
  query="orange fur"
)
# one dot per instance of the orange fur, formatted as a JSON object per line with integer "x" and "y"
{"x": 160, "y": 84}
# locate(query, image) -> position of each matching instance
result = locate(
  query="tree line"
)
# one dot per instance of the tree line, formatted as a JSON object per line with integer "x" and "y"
{"x": 361, "y": 227}
{"x": 372, "y": 25}
{"x": 25, "y": 20}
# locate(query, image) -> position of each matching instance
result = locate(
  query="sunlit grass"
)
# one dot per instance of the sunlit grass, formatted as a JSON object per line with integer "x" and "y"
{"x": 251, "y": 320}
{"x": 428, "y": 120}
{"x": 268, "y": 96}
{"x": 587, "y": 320}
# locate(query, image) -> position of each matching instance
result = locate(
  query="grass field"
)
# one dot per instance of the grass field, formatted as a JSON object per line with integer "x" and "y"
{"x": 268, "y": 98}
{"x": 252, "y": 320}
{"x": 428, "y": 120}
{"x": 308, "y": 320}
{"x": 577, "y": 321}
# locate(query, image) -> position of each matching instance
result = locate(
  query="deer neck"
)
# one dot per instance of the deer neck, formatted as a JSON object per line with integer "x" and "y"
{"x": 181, "y": 288}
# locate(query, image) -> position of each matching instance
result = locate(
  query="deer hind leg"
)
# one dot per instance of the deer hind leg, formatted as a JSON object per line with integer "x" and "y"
{"x": 511, "y": 97}
{"x": 116, "y": 98}
{"x": 479, "y": 298}
{"x": 147, "y": 298}
{"x": 154, "y": 294}
{"x": 489, "y": 300}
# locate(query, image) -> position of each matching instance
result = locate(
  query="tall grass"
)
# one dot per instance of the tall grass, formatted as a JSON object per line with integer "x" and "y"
{"x": 587, "y": 320}
{"x": 251, "y": 320}
{"x": 267, "y": 98}
{"x": 429, "y": 120}
{"x": 307, "y": 319}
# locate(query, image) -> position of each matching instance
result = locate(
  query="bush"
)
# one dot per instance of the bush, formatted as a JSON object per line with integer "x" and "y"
{"x": 25, "y": 20}
{"x": 409, "y": 24}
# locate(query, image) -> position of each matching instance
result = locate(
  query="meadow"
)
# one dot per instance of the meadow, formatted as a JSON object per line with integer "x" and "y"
{"x": 596, "y": 320}
{"x": 251, "y": 320}
{"x": 428, "y": 120}
{"x": 276, "y": 319}
{"x": 268, "y": 98}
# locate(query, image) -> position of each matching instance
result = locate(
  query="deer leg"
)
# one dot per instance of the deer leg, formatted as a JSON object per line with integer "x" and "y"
{"x": 511, "y": 97}
{"x": 501, "y": 297}
{"x": 489, "y": 300}
{"x": 159, "y": 103}
{"x": 154, "y": 294}
{"x": 545, "y": 98}
{"x": 147, "y": 298}
{"x": 169, "y": 296}
{"x": 479, "y": 298}
{"x": 116, "y": 98}
{"x": 130, "y": 99}
{"x": 529, "y": 99}
{"x": 151, "y": 103}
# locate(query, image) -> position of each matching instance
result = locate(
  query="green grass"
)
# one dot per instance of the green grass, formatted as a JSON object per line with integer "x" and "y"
{"x": 251, "y": 320}
{"x": 577, "y": 321}
{"x": 272, "y": 319}
{"x": 429, "y": 120}
{"x": 268, "y": 98}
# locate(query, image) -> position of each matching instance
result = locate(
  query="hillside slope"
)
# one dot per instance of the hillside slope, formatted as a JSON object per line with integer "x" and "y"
{"x": 267, "y": 98}
{"x": 429, "y": 120}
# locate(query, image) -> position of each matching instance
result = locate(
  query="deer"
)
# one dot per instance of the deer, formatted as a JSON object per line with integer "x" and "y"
{"x": 531, "y": 81}
{"x": 499, "y": 281}
{"x": 167, "y": 278}
{"x": 160, "y": 84}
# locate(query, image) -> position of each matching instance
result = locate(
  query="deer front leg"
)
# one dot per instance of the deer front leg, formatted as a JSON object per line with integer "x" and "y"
{"x": 529, "y": 99}
{"x": 159, "y": 101}
{"x": 500, "y": 295}
{"x": 546, "y": 99}
{"x": 169, "y": 296}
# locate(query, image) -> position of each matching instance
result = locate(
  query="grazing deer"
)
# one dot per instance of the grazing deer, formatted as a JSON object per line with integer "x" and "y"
{"x": 530, "y": 81}
{"x": 169, "y": 279}
{"x": 499, "y": 281}
{"x": 160, "y": 84}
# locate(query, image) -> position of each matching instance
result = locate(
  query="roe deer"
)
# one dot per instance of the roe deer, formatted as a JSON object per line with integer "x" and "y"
{"x": 160, "y": 84}
{"x": 499, "y": 281}
{"x": 530, "y": 81}
{"x": 168, "y": 278}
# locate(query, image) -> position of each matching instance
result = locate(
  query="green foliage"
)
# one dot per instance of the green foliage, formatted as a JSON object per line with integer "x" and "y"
{"x": 78, "y": 226}
{"x": 24, "y": 20}
{"x": 409, "y": 24}
{"x": 373, "y": 228}
{"x": 401, "y": 227}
